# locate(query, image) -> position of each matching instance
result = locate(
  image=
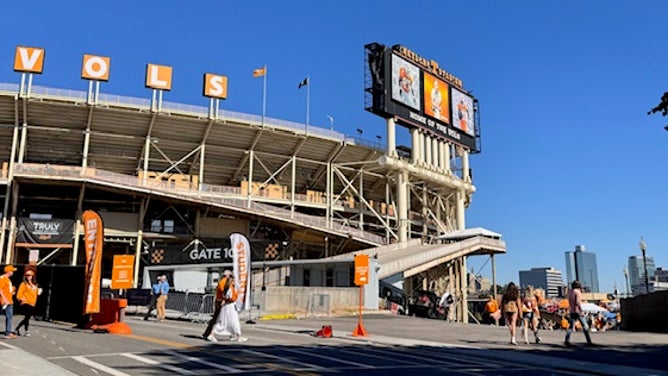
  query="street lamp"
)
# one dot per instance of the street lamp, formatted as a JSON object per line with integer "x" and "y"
{"x": 643, "y": 249}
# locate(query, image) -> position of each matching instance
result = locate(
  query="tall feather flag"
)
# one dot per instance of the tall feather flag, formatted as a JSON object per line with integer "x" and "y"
{"x": 93, "y": 241}
{"x": 259, "y": 72}
{"x": 241, "y": 268}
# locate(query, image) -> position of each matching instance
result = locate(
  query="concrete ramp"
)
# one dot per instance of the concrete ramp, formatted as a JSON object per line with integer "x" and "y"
{"x": 418, "y": 258}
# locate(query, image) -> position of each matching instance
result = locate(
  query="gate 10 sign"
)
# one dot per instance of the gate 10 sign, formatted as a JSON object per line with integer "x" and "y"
{"x": 361, "y": 270}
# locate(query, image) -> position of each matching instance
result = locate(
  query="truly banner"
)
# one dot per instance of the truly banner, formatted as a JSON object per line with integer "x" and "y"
{"x": 241, "y": 262}
{"x": 45, "y": 233}
{"x": 93, "y": 239}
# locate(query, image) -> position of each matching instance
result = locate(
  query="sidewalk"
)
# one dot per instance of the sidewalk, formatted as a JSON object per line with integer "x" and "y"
{"x": 16, "y": 361}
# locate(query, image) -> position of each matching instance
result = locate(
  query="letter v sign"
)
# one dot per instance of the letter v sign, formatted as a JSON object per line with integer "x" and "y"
{"x": 29, "y": 59}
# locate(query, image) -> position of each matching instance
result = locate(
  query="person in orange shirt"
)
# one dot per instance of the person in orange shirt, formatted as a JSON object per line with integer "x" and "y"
{"x": 27, "y": 296}
{"x": 7, "y": 299}
{"x": 218, "y": 305}
{"x": 492, "y": 311}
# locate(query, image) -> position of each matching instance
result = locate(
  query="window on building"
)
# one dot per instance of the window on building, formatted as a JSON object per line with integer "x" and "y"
{"x": 156, "y": 225}
{"x": 169, "y": 226}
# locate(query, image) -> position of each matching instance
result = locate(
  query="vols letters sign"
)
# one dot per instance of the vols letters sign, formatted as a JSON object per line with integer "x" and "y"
{"x": 45, "y": 233}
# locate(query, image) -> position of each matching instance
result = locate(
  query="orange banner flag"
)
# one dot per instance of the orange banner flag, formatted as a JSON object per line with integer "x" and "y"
{"x": 259, "y": 72}
{"x": 93, "y": 239}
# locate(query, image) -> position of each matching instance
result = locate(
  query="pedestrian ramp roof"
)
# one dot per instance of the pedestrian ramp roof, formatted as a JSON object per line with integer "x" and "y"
{"x": 414, "y": 256}
{"x": 470, "y": 233}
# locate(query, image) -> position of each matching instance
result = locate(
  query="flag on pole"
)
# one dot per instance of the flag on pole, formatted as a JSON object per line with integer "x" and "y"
{"x": 259, "y": 72}
{"x": 303, "y": 83}
{"x": 241, "y": 263}
{"x": 93, "y": 239}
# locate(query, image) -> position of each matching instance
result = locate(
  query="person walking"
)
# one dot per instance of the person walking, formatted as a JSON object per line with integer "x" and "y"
{"x": 161, "y": 301}
{"x": 575, "y": 314}
{"x": 218, "y": 305}
{"x": 7, "y": 299}
{"x": 155, "y": 292}
{"x": 511, "y": 306}
{"x": 531, "y": 314}
{"x": 27, "y": 296}
{"x": 228, "y": 319}
{"x": 492, "y": 311}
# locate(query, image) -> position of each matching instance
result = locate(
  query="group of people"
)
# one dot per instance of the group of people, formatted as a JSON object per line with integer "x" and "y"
{"x": 26, "y": 294}
{"x": 515, "y": 306}
{"x": 159, "y": 292}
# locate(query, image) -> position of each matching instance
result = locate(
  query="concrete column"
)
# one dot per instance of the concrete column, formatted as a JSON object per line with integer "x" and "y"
{"x": 493, "y": 274}
{"x": 447, "y": 157}
{"x": 293, "y": 179}
{"x": 415, "y": 139}
{"x": 402, "y": 207}
{"x": 422, "y": 151}
{"x": 427, "y": 150}
{"x": 200, "y": 178}
{"x": 250, "y": 178}
{"x": 466, "y": 173}
{"x": 77, "y": 225}
{"x": 441, "y": 156}
{"x": 435, "y": 155}
{"x": 461, "y": 220}
{"x": 465, "y": 290}
{"x": 147, "y": 153}
{"x": 12, "y": 225}
{"x": 361, "y": 190}
{"x": 140, "y": 238}
{"x": 391, "y": 138}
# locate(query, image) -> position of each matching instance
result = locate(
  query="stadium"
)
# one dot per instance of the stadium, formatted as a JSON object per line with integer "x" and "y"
{"x": 172, "y": 181}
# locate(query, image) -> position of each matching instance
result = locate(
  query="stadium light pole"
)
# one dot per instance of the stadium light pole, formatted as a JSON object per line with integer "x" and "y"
{"x": 643, "y": 249}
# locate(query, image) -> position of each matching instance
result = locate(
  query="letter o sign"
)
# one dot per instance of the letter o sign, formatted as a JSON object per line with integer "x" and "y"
{"x": 95, "y": 68}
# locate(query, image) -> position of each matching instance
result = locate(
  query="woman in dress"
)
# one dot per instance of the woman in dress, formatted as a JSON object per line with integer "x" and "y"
{"x": 228, "y": 319}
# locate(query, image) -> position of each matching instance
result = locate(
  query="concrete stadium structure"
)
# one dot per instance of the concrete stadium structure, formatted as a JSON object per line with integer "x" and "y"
{"x": 163, "y": 173}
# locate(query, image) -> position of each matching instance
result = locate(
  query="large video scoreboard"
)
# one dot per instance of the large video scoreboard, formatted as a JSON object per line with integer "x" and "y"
{"x": 419, "y": 94}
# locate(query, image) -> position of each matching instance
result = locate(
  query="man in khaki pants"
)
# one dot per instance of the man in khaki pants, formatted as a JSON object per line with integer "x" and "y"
{"x": 162, "y": 298}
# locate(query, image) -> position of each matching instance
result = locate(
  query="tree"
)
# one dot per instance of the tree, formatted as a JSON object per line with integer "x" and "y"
{"x": 662, "y": 106}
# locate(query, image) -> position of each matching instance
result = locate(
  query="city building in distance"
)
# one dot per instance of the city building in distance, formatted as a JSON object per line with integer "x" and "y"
{"x": 581, "y": 265}
{"x": 637, "y": 274}
{"x": 548, "y": 279}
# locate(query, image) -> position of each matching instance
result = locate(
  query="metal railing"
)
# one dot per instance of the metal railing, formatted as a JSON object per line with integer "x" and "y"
{"x": 187, "y": 109}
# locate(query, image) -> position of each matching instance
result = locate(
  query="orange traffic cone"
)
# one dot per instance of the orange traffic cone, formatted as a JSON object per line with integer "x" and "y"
{"x": 359, "y": 330}
{"x": 325, "y": 332}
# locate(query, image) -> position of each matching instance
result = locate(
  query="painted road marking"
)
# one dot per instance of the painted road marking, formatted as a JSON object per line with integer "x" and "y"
{"x": 99, "y": 366}
{"x": 152, "y": 362}
{"x": 201, "y": 361}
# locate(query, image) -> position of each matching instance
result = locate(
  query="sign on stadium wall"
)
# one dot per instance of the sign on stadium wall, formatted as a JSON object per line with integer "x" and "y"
{"x": 51, "y": 233}
{"x": 210, "y": 252}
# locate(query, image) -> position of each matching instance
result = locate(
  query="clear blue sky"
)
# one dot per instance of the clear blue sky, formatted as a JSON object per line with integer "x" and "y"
{"x": 569, "y": 155}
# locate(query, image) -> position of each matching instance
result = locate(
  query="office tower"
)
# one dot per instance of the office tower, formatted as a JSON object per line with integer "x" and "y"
{"x": 581, "y": 265}
{"x": 549, "y": 279}
{"x": 637, "y": 274}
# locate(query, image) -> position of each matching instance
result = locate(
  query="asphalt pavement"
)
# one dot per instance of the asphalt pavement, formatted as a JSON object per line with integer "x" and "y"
{"x": 616, "y": 353}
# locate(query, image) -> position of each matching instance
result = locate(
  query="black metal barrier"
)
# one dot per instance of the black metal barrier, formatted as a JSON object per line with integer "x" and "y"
{"x": 62, "y": 295}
